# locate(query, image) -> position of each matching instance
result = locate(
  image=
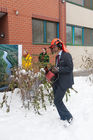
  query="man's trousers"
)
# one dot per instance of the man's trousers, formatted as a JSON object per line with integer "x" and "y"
{"x": 58, "y": 101}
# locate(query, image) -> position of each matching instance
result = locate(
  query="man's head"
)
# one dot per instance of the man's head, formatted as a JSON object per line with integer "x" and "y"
{"x": 44, "y": 50}
{"x": 25, "y": 53}
{"x": 57, "y": 45}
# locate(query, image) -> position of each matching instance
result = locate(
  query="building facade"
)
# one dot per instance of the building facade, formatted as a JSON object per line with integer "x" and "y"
{"x": 34, "y": 23}
{"x": 79, "y": 29}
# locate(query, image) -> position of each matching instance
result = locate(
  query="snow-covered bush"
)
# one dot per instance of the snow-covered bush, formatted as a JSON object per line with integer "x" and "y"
{"x": 5, "y": 103}
{"x": 87, "y": 61}
{"x": 87, "y": 64}
{"x": 35, "y": 91}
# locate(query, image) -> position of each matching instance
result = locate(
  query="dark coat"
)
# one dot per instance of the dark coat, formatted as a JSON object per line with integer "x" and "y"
{"x": 43, "y": 58}
{"x": 65, "y": 73}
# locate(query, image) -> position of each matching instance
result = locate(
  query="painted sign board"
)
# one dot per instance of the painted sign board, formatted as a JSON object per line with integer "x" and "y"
{"x": 10, "y": 56}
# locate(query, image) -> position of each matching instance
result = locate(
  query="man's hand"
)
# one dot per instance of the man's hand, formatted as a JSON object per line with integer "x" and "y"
{"x": 46, "y": 70}
{"x": 55, "y": 70}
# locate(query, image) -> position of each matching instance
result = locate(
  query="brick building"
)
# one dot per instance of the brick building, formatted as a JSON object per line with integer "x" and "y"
{"x": 34, "y": 23}
{"x": 16, "y": 18}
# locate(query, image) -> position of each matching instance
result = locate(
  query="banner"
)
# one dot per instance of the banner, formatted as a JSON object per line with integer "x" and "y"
{"x": 10, "y": 56}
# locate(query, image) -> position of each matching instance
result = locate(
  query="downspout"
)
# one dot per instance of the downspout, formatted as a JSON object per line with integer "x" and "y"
{"x": 59, "y": 20}
{"x": 62, "y": 21}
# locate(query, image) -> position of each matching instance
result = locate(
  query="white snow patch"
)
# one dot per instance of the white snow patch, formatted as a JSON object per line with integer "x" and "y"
{"x": 21, "y": 124}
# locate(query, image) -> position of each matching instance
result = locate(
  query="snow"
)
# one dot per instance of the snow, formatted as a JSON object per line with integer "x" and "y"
{"x": 23, "y": 124}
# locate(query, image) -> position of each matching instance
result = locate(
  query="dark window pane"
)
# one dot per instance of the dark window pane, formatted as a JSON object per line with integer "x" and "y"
{"x": 51, "y": 31}
{"x": 78, "y": 36}
{"x": 87, "y": 3}
{"x": 80, "y": 2}
{"x": 92, "y": 37}
{"x": 88, "y": 37}
{"x": 37, "y": 31}
{"x": 69, "y": 34}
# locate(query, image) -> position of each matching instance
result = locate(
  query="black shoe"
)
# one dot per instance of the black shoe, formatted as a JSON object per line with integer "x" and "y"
{"x": 70, "y": 120}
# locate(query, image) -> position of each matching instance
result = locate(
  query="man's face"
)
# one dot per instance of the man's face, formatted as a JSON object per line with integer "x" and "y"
{"x": 44, "y": 51}
{"x": 54, "y": 49}
{"x": 25, "y": 53}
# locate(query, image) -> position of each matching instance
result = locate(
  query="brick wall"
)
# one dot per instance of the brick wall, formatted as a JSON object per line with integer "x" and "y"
{"x": 18, "y": 28}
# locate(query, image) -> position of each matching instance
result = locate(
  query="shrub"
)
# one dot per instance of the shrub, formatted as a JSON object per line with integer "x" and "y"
{"x": 35, "y": 90}
{"x": 87, "y": 61}
{"x": 87, "y": 64}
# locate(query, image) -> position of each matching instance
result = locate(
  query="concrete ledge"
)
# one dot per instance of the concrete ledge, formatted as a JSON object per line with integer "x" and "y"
{"x": 83, "y": 72}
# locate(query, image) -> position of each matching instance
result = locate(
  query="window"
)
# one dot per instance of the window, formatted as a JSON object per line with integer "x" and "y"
{"x": 84, "y": 3}
{"x": 91, "y": 4}
{"x": 51, "y": 31}
{"x": 37, "y": 30}
{"x": 44, "y": 31}
{"x": 91, "y": 37}
{"x": 78, "y": 36}
{"x": 87, "y": 3}
{"x": 73, "y": 35}
{"x": 69, "y": 34}
{"x": 80, "y": 2}
{"x": 88, "y": 35}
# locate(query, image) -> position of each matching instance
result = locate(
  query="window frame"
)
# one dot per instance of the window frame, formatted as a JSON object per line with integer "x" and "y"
{"x": 90, "y": 35}
{"x": 81, "y": 36}
{"x": 91, "y": 1}
{"x": 73, "y": 35}
{"x": 32, "y": 32}
{"x": 45, "y": 32}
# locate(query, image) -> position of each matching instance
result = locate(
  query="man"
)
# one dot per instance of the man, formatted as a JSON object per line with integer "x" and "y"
{"x": 64, "y": 68}
{"x": 43, "y": 57}
{"x": 26, "y": 61}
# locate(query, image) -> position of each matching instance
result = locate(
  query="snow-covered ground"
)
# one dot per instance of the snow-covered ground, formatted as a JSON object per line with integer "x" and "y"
{"x": 21, "y": 124}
